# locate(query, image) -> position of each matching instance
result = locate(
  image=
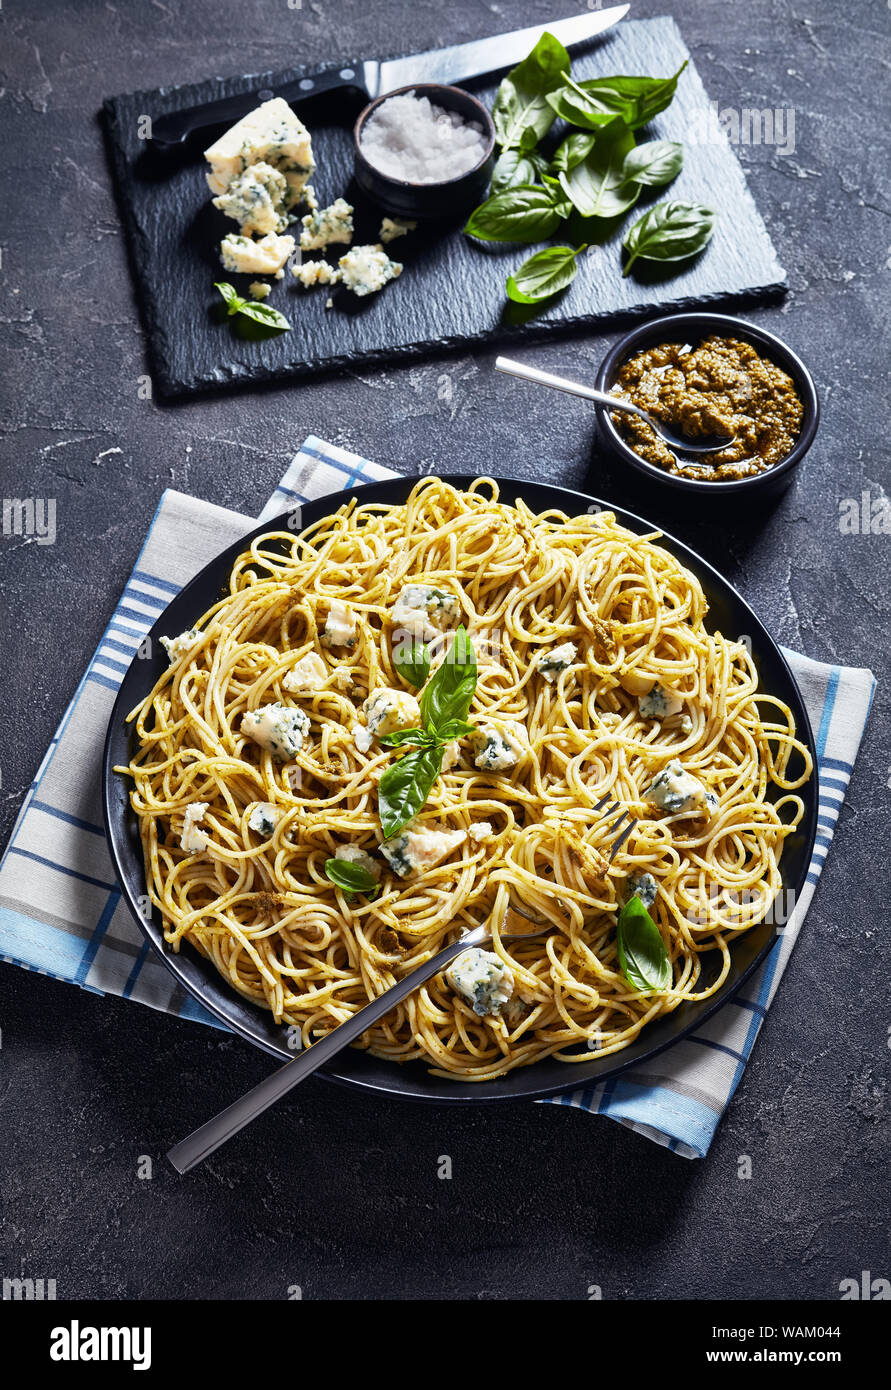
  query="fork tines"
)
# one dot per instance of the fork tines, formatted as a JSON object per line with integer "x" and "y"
{"x": 609, "y": 807}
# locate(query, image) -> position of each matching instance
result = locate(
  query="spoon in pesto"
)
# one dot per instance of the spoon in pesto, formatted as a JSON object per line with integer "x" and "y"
{"x": 680, "y": 443}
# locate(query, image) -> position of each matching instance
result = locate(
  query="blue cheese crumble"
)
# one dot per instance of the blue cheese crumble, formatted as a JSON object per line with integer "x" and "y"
{"x": 388, "y": 710}
{"x": 483, "y": 979}
{"x": 259, "y": 289}
{"x": 366, "y": 269}
{"x": 659, "y": 703}
{"x": 193, "y": 840}
{"x": 325, "y": 226}
{"x": 679, "y": 793}
{"x": 264, "y": 818}
{"x": 425, "y": 612}
{"x": 256, "y": 199}
{"x": 175, "y": 647}
{"x": 497, "y": 747}
{"x": 311, "y": 273}
{"x": 242, "y": 256}
{"x": 352, "y": 854}
{"x": 415, "y": 851}
{"x": 271, "y": 134}
{"x": 340, "y": 626}
{"x": 642, "y": 886}
{"x": 393, "y": 227}
{"x": 551, "y": 663}
{"x": 279, "y": 730}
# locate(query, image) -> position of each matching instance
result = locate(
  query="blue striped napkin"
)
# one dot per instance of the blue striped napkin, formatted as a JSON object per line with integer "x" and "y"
{"x": 61, "y": 911}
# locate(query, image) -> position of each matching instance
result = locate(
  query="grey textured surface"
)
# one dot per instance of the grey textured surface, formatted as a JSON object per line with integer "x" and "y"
{"x": 336, "y": 1193}
{"x": 452, "y": 290}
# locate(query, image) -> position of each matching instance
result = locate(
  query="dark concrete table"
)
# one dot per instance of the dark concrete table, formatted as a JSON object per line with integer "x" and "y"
{"x": 333, "y": 1192}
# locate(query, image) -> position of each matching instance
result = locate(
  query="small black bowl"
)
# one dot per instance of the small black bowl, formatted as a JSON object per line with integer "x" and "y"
{"x": 413, "y": 200}
{"x": 692, "y": 328}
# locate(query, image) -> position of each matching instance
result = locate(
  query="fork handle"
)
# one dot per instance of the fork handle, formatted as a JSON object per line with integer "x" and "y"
{"x": 215, "y": 1132}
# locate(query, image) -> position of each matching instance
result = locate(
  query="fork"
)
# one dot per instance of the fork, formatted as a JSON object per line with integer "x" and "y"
{"x": 217, "y": 1131}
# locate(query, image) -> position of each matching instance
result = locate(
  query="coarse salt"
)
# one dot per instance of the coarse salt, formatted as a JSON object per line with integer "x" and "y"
{"x": 410, "y": 138}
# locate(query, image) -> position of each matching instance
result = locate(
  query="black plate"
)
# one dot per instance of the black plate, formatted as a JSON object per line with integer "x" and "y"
{"x": 728, "y": 612}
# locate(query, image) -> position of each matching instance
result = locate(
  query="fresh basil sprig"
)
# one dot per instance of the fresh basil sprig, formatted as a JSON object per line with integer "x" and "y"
{"x": 544, "y": 274}
{"x": 414, "y": 666}
{"x": 352, "y": 878}
{"x": 669, "y": 232}
{"x": 250, "y": 308}
{"x": 521, "y": 112}
{"x": 642, "y": 954}
{"x": 445, "y": 704}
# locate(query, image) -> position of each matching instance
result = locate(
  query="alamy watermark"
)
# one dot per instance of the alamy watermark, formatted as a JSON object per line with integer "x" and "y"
{"x": 31, "y": 517}
{"x": 743, "y": 125}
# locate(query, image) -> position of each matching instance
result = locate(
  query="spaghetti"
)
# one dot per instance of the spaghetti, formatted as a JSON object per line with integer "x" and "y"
{"x": 640, "y": 686}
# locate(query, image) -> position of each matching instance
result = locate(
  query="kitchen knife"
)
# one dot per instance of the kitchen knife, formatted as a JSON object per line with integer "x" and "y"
{"x": 456, "y": 64}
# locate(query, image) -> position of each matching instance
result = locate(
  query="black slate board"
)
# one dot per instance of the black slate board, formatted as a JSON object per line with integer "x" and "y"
{"x": 452, "y": 289}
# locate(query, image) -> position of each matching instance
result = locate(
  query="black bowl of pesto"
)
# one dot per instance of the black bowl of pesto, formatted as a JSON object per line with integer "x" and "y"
{"x": 714, "y": 375}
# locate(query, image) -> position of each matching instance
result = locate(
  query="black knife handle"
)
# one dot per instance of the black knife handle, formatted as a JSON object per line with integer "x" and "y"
{"x": 176, "y": 126}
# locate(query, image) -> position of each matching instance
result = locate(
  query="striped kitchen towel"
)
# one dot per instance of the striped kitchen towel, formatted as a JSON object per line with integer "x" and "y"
{"x": 61, "y": 911}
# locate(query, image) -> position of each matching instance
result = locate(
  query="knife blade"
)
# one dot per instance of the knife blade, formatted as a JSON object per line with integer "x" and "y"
{"x": 459, "y": 63}
{"x": 466, "y": 60}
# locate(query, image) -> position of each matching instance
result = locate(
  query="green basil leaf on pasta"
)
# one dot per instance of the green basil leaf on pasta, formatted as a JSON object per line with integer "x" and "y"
{"x": 655, "y": 163}
{"x": 448, "y": 693}
{"x": 454, "y": 728}
{"x": 521, "y": 110}
{"x": 543, "y": 275}
{"x": 642, "y": 954}
{"x": 352, "y": 878}
{"x": 405, "y": 786}
{"x": 414, "y": 666}
{"x": 669, "y": 232}
{"x": 423, "y": 737}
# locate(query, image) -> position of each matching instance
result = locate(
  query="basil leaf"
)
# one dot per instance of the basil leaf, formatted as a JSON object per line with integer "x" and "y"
{"x": 423, "y": 737}
{"x": 636, "y": 99}
{"x": 230, "y": 295}
{"x": 415, "y": 666}
{"x": 544, "y": 274}
{"x": 597, "y": 186}
{"x": 521, "y": 103}
{"x": 405, "y": 786}
{"x": 562, "y": 205}
{"x": 251, "y": 309}
{"x": 448, "y": 693}
{"x": 573, "y": 150}
{"x": 669, "y": 232}
{"x": 352, "y": 878}
{"x": 524, "y": 213}
{"x": 454, "y": 728}
{"x": 655, "y": 163}
{"x": 574, "y": 106}
{"x": 263, "y": 313}
{"x": 513, "y": 167}
{"x": 642, "y": 954}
